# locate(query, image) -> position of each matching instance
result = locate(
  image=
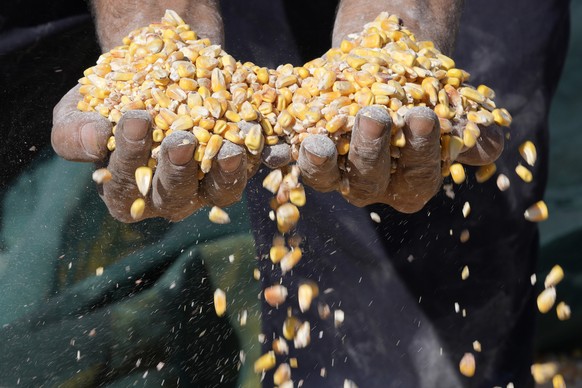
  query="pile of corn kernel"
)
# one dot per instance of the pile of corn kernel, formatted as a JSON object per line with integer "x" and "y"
{"x": 189, "y": 84}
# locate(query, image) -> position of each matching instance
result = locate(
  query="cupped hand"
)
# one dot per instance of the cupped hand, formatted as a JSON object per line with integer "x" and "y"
{"x": 366, "y": 177}
{"x": 175, "y": 191}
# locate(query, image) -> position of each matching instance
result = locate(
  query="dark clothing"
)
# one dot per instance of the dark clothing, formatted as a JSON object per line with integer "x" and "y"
{"x": 397, "y": 281}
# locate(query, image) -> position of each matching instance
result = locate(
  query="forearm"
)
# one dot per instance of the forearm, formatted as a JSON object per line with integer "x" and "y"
{"x": 115, "y": 19}
{"x": 435, "y": 20}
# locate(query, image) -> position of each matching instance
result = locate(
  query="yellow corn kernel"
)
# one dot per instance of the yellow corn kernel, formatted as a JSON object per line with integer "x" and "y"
{"x": 398, "y": 139}
{"x": 524, "y": 173}
{"x": 143, "y": 178}
{"x": 199, "y": 153}
{"x": 372, "y": 41}
{"x": 160, "y": 97}
{"x": 290, "y": 327}
{"x": 188, "y": 84}
{"x": 346, "y": 46}
{"x": 336, "y": 123}
{"x": 291, "y": 259}
{"x": 297, "y": 196}
{"x": 277, "y": 252}
{"x": 537, "y": 212}
{"x": 111, "y": 143}
{"x": 502, "y": 117}
{"x": 247, "y": 112}
{"x": 444, "y": 111}
{"x": 157, "y": 135}
{"x": 528, "y": 152}
{"x": 546, "y": 300}
{"x": 266, "y": 362}
{"x": 182, "y": 123}
{"x": 137, "y": 208}
{"x": 285, "y": 81}
{"x": 254, "y": 140}
{"x": 202, "y": 135}
{"x": 217, "y": 80}
{"x": 563, "y": 311}
{"x": 101, "y": 175}
{"x": 213, "y": 106}
{"x": 280, "y": 346}
{"x": 345, "y": 88}
{"x": 486, "y": 91}
{"x": 457, "y": 173}
{"x": 219, "y": 302}
{"x": 287, "y": 217}
{"x": 273, "y": 180}
{"x": 343, "y": 146}
{"x": 233, "y": 135}
{"x": 212, "y": 147}
{"x": 218, "y": 216}
{"x": 382, "y": 89}
{"x": 455, "y": 146}
{"x": 282, "y": 374}
{"x": 472, "y": 94}
{"x": 470, "y": 134}
{"x": 275, "y": 295}
{"x": 554, "y": 277}
{"x": 84, "y": 106}
{"x": 483, "y": 173}
{"x": 206, "y": 123}
{"x": 305, "y": 294}
{"x": 467, "y": 365}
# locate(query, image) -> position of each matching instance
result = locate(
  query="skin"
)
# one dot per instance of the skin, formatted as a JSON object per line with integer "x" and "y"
{"x": 175, "y": 195}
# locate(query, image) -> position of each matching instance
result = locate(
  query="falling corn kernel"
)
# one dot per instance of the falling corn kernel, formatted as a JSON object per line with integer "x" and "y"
{"x": 465, "y": 273}
{"x": 302, "y": 336}
{"x": 554, "y": 277}
{"x": 458, "y": 173}
{"x": 467, "y": 365}
{"x": 101, "y": 175}
{"x": 277, "y": 252}
{"x": 219, "y": 302}
{"x": 287, "y": 217}
{"x": 282, "y": 374}
{"x": 537, "y": 212}
{"x": 256, "y": 274}
{"x": 275, "y": 295}
{"x": 524, "y": 173}
{"x": 338, "y": 317}
{"x": 466, "y": 209}
{"x": 99, "y": 271}
{"x": 483, "y": 173}
{"x": 528, "y": 152}
{"x": 477, "y": 346}
{"x": 291, "y": 259}
{"x": 137, "y": 208}
{"x": 563, "y": 311}
{"x": 305, "y": 294}
{"x": 266, "y": 362}
{"x": 218, "y": 216}
{"x": 546, "y": 300}
{"x": 290, "y": 327}
{"x": 543, "y": 372}
{"x": 280, "y": 346}
{"x": 293, "y": 362}
{"x": 558, "y": 381}
{"x": 375, "y": 217}
{"x": 464, "y": 236}
{"x": 143, "y": 178}
{"x": 273, "y": 180}
{"x": 503, "y": 182}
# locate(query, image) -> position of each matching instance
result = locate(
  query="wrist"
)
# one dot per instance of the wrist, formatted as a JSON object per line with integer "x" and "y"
{"x": 115, "y": 19}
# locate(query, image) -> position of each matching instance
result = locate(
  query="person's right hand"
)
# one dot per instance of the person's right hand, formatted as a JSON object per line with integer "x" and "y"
{"x": 176, "y": 192}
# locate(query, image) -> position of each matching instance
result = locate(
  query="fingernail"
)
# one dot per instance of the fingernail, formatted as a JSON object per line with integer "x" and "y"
{"x": 181, "y": 154}
{"x": 314, "y": 159}
{"x": 89, "y": 139}
{"x": 420, "y": 125}
{"x": 135, "y": 129}
{"x": 372, "y": 123}
{"x": 231, "y": 163}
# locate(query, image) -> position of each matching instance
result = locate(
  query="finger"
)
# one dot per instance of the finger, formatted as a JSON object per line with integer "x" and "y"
{"x": 368, "y": 165}
{"x": 487, "y": 149}
{"x": 79, "y": 136}
{"x": 318, "y": 163}
{"x": 225, "y": 182}
{"x": 175, "y": 183}
{"x": 276, "y": 156}
{"x": 418, "y": 171}
{"x": 133, "y": 142}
